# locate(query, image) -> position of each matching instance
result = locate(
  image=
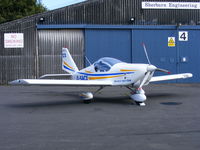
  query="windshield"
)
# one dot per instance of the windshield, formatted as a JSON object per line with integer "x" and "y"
{"x": 104, "y": 64}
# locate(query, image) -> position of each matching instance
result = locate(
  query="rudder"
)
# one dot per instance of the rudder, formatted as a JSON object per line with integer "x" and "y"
{"x": 68, "y": 63}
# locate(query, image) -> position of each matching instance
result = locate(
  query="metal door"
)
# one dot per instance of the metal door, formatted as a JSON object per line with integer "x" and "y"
{"x": 160, "y": 53}
{"x": 189, "y": 54}
{"x": 108, "y": 43}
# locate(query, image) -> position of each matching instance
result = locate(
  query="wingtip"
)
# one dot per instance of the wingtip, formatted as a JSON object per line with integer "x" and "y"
{"x": 17, "y": 82}
{"x": 187, "y": 75}
{"x": 14, "y": 82}
{"x": 190, "y": 75}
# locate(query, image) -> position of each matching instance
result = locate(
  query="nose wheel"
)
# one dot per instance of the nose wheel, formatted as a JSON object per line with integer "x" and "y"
{"x": 138, "y": 95}
{"x": 140, "y": 103}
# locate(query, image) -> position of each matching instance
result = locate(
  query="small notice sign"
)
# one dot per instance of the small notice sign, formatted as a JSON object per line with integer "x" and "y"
{"x": 13, "y": 40}
{"x": 171, "y": 42}
{"x": 183, "y": 35}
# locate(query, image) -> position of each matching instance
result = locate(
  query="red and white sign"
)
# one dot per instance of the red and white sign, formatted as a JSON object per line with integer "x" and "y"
{"x": 13, "y": 40}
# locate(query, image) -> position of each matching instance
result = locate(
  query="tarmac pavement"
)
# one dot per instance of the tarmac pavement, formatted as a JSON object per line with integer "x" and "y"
{"x": 54, "y": 118}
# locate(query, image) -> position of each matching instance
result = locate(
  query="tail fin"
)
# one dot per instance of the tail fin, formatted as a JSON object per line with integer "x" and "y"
{"x": 68, "y": 63}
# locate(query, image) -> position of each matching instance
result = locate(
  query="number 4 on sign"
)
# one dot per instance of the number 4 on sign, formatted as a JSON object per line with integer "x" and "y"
{"x": 183, "y": 35}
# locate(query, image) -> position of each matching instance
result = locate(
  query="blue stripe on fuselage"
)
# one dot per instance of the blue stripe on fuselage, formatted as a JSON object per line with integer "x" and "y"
{"x": 108, "y": 74}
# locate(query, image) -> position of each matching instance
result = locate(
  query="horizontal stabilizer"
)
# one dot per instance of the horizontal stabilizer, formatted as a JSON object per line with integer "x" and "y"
{"x": 55, "y": 75}
{"x": 171, "y": 77}
{"x": 60, "y": 82}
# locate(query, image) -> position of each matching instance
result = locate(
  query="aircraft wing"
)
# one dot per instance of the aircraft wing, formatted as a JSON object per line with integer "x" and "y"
{"x": 171, "y": 77}
{"x": 60, "y": 82}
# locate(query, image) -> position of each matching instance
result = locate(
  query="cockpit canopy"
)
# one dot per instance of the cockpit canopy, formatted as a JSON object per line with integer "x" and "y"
{"x": 104, "y": 64}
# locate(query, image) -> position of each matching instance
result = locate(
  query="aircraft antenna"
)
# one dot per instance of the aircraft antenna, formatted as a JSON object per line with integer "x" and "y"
{"x": 145, "y": 51}
{"x": 88, "y": 60}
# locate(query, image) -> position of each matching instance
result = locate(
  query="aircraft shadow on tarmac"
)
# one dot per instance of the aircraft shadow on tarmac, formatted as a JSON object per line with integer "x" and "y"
{"x": 156, "y": 96}
{"x": 72, "y": 99}
{"x": 71, "y": 102}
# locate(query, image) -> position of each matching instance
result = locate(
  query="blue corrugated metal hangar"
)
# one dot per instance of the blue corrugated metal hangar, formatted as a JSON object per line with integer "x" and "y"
{"x": 98, "y": 28}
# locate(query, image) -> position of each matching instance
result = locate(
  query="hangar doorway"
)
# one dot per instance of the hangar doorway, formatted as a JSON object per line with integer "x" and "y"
{"x": 50, "y": 43}
{"x": 108, "y": 43}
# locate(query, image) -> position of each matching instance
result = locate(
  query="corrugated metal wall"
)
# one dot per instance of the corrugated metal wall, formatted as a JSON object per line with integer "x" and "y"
{"x": 50, "y": 49}
{"x": 116, "y": 12}
{"x": 18, "y": 62}
{"x": 38, "y": 57}
{"x": 120, "y": 12}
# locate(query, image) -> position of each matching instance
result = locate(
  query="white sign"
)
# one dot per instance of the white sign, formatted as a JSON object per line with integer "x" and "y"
{"x": 13, "y": 40}
{"x": 170, "y": 5}
{"x": 183, "y": 35}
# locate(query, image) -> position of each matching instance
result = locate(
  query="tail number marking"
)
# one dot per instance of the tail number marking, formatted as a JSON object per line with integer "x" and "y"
{"x": 64, "y": 55}
{"x": 82, "y": 78}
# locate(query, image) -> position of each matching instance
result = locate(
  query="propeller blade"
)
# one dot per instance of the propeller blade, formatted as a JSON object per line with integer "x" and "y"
{"x": 144, "y": 79}
{"x": 145, "y": 51}
{"x": 163, "y": 70}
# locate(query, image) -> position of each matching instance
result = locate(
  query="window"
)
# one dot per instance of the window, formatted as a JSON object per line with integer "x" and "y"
{"x": 105, "y": 64}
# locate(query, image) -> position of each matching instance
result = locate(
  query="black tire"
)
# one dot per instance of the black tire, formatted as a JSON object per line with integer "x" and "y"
{"x": 87, "y": 101}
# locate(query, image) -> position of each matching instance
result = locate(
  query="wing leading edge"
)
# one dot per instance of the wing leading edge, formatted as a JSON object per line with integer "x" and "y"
{"x": 60, "y": 82}
{"x": 171, "y": 77}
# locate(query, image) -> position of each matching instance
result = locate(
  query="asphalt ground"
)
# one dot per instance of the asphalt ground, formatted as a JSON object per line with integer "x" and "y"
{"x": 54, "y": 118}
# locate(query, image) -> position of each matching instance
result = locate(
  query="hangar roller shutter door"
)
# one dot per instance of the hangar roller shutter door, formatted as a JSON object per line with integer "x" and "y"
{"x": 50, "y": 43}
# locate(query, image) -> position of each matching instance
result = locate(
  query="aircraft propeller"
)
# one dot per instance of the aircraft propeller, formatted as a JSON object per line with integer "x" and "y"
{"x": 150, "y": 69}
{"x": 163, "y": 70}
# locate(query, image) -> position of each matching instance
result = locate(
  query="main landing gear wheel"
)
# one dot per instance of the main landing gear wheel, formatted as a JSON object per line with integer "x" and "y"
{"x": 87, "y": 101}
{"x": 86, "y": 97}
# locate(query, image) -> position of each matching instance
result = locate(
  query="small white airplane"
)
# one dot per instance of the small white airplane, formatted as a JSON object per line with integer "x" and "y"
{"x": 105, "y": 72}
